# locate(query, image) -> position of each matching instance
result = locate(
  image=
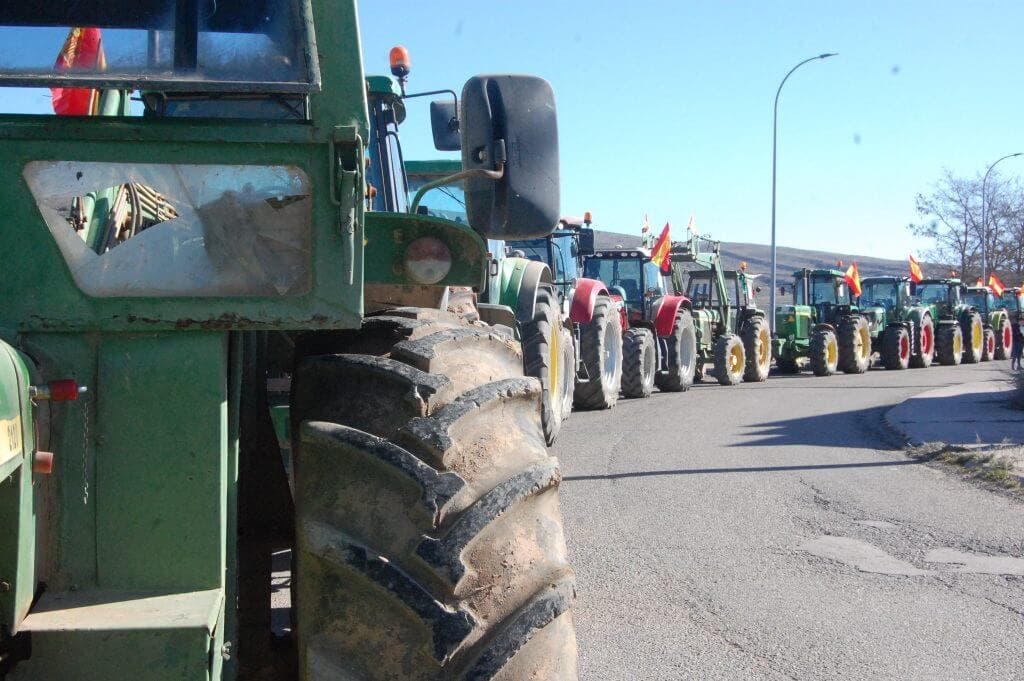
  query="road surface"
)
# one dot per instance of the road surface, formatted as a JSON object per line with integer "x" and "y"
{"x": 778, "y": 531}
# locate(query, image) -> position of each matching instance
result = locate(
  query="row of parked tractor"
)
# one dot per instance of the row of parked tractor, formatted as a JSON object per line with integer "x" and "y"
{"x": 907, "y": 324}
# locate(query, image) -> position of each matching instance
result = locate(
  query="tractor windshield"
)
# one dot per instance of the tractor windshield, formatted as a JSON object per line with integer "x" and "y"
{"x": 448, "y": 202}
{"x": 632, "y": 276}
{"x": 933, "y": 294}
{"x": 223, "y": 46}
{"x": 824, "y": 289}
{"x": 1011, "y": 300}
{"x": 563, "y": 261}
{"x": 879, "y": 294}
{"x": 982, "y": 300}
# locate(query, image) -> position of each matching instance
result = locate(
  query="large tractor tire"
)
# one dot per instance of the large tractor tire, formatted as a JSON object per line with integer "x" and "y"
{"x": 542, "y": 358}
{"x": 949, "y": 344}
{"x": 854, "y": 345}
{"x": 974, "y": 337}
{"x": 1004, "y": 338}
{"x": 824, "y": 352}
{"x": 925, "y": 354}
{"x": 601, "y": 353}
{"x": 639, "y": 362}
{"x": 567, "y": 373}
{"x": 988, "y": 345}
{"x": 730, "y": 359}
{"x": 896, "y": 348}
{"x": 680, "y": 350}
{"x": 757, "y": 343}
{"x": 429, "y": 539}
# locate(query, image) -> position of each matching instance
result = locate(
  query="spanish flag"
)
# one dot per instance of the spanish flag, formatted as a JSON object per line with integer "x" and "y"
{"x": 916, "y": 274}
{"x": 660, "y": 252}
{"x": 82, "y": 51}
{"x": 852, "y": 278}
{"x": 997, "y": 286}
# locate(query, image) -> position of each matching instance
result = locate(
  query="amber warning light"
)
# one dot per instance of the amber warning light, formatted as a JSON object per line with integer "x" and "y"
{"x": 400, "y": 63}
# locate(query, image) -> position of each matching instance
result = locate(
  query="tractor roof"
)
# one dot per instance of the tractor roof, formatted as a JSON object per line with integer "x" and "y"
{"x": 623, "y": 253}
{"x": 947, "y": 280}
{"x": 979, "y": 289}
{"x": 868, "y": 280}
{"x": 440, "y": 167}
{"x": 820, "y": 272}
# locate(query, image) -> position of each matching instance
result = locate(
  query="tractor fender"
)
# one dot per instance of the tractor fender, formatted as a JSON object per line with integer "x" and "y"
{"x": 520, "y": 280}
{"x": 583, "y": 299}
{"x": 916, "y": 316}
{"x": 665, "y": 310}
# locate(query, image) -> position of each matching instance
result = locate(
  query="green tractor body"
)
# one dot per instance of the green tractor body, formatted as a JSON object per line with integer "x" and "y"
{"x": 998, "y": 342}
{"x": 732, "y": 332}
{"x": 905, "y": 335}
{"x": 960, "y": 328}
{"x": 824, "y": 325}
{"x": 185, "y": 298}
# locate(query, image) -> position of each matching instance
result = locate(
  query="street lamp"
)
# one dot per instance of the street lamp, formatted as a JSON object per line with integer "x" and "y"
{"x": 775, "y": 134}
{"x": 984, "y": 222}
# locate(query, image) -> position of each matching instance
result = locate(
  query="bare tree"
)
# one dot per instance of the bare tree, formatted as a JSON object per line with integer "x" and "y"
{"x": 951, "y": 222}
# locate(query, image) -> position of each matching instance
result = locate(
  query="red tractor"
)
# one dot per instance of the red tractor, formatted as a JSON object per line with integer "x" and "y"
{"x": 659, "y": 342}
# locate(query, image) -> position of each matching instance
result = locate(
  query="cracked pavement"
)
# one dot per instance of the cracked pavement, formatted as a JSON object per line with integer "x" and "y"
{"x": 778, "y": 531}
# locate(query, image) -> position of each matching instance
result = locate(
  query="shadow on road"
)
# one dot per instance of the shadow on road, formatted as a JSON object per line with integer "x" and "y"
{"x": 749, "y": 469}
{"x": 856, "y": 428}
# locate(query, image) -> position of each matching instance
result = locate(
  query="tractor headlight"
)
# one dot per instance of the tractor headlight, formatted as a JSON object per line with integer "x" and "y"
{"x": 427, "y": 260}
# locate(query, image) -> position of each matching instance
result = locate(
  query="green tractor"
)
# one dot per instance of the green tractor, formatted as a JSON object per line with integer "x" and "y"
{"x": 209, "y": 269}
{"x": 732, "y": 333}
{"x": 1012, "y": 301}
{"x": 906, "y": 330}
{"x": 998, "y": 341}
{"x": 960, "y": 336}
{"x": 519, "y": 295}
{"x": 824, "y": 325}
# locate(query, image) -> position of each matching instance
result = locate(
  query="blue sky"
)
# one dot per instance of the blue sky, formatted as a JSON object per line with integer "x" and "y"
{"x": 666, "y": 107}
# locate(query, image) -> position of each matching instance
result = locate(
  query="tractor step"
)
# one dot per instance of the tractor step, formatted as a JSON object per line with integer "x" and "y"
{"x": 87, "y": 635}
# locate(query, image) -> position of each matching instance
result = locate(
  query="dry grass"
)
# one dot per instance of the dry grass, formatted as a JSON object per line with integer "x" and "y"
{"x": 1002, "y": 465}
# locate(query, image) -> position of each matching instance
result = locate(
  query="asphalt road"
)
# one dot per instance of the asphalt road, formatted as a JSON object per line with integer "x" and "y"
{"x": 778, "y": 530}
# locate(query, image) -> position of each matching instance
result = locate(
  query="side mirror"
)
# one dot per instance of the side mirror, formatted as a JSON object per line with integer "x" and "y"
{"x": 586, "y": 241}
{"x": 444, "y": 122}
{"x": 510, "y": 122}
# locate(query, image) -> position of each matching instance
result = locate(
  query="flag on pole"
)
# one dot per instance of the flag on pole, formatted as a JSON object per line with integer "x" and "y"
{"x": 916, "y": 274}
{"x": 646, "y": 238}
{"x": 852, "y": 278}
{"x": 82, "y": 51}
{"x": 660, "y": 252}
{"x": 692, "y": 226}
{"x": 979, "y": 282}
{"x": 997, "y": 286}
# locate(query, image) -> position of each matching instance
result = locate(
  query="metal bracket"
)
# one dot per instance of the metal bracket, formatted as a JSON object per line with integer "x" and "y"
{"x": 346, "y": 159}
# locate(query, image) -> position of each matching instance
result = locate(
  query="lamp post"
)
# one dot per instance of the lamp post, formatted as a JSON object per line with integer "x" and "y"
{"x": 984, "y": 221}
{"x": 775, "y": 135}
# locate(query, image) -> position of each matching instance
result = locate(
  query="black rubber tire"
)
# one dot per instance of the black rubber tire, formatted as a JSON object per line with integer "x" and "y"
{"x": 542, "y": 357}
{"x": 567, "y": 375}
{"x": 823, "y": 352}
{"x": 639, "y": 362}
{"x": 680, "y": 352}
{"x": 896, "y": 348}
{"x": 949, "y": 342}
{"x": 854, "y": 345}
{"x": 429, "y": 540}
{"x": 730, "y": 359}
{"x": 787, "y": 366}
{"x": 970, "y": 324}
{"x": 1004, "y": 332}
{"x": 600, "y": 340}
{"x": 988, "y": 346}
{"x": 924, "y": 352}
{"x": 757, "y": 342}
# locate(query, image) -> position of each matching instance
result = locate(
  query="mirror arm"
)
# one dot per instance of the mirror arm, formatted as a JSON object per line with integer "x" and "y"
{"x": 452, "y": 179}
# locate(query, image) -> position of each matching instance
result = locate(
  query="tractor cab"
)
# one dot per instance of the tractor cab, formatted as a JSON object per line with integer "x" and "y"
{"x": 562, "y": 251}
{"x": 943, "y": 295}
{"x": 888, "y": 293}
{"x": 631, "y": 274}
{"x": 1012, "y": 301}
{"x": 824, "y": 290}
{"x": 980, "y": 298}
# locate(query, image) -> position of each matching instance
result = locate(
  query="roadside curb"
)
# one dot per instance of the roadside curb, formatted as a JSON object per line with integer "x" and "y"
{"x": 981, "y": 459}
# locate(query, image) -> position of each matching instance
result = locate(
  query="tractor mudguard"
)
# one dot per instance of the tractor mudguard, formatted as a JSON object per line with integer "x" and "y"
{"x": 824, "y": 327}
{"x": 665, "y": 310}
{"x": 583, "y": 299}
{"x": 520, "y": 279}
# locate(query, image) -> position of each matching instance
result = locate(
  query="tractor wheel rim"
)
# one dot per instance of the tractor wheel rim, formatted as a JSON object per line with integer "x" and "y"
{"x": 1007, "y": 337}
{"x": 687, "y": 357}
{"x": 990, "y": 345}
{"x": 904, "y": 347}
{"x": 649, "y": 360}
{"x": 958, "y": 345}
{"x": 865, "y": 343}
{"x": 735, "y": 359}
{"x": 764, "y": 349}
{"x": 554, "y": 359}
{"x": 977, "y": 336}
{"x": 611, "y": 360}
{"x": 926, "y": 341}
{"x": 832, "y": 353}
